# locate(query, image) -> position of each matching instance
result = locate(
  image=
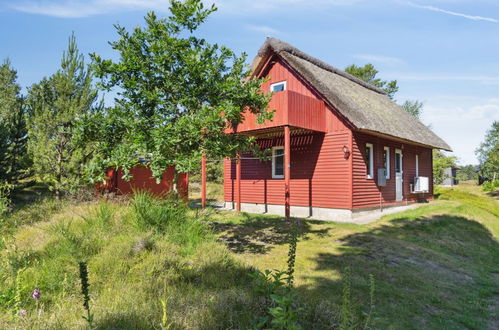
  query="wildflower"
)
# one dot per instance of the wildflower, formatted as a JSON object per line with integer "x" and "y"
{"x": 36, "y": 294}
{"x": 22, "y": 312}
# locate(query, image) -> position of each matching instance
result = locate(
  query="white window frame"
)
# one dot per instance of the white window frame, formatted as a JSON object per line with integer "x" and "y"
{"x": 278, "y": 83}
{"x": 370, "y": 170}
{"x": 387, "y": 164}
{"x": 275, "y": 176}
{"x": 417, "y": 165}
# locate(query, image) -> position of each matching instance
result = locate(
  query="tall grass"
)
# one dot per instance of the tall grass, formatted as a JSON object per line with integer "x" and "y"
{"x": 152, "y": 263}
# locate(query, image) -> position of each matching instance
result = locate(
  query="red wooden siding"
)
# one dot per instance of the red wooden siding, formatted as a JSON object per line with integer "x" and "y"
{"x": 291, "y": 108}
{"x": 365, "y": 191}
{"x": 142, "y": 180}
{"x": 318, "y": 174}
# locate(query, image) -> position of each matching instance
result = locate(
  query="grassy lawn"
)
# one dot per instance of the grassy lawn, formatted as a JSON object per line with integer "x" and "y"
{"x": 435, "y": 266}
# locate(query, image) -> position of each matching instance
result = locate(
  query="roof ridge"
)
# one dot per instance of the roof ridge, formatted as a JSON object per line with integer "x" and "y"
{"x": 279, "y": 46}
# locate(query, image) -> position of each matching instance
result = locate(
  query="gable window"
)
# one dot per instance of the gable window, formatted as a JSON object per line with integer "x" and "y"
{"x": 278, "y": 162}
{"x": 278, "y": 87}
{"x": 386, "y": 160}
{"x": 369, "y": 160}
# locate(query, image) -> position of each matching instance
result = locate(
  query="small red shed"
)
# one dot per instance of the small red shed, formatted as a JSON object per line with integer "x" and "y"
{"x": 143, "y": 180}
{"x": 339, "y": 145}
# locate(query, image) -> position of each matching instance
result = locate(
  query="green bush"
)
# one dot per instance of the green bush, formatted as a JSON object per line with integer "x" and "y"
{"x": 491, "y": 185}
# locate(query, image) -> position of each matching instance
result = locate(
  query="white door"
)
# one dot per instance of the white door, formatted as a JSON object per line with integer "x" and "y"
{"x": 398, "y": 175}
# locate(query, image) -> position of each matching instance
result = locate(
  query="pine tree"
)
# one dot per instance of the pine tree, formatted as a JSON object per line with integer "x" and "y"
{"x": 13, "y": 156}
{"x": 55, "y": 103}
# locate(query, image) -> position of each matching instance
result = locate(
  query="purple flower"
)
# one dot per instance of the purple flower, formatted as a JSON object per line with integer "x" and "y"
{"x": 22, "y": 312}
{"x": 36, "y": 294}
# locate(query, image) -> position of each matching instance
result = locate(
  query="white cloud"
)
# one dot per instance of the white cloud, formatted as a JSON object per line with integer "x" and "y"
{"x": 438, "y": 77}
{"x": 380, "y": 59}
{"x": 463, "y": 127}
{"x": 81, "y": 8}
{"x": 453, "y": 13}
{"x": 85, "y": 8}
{"x": 267, "y": 30}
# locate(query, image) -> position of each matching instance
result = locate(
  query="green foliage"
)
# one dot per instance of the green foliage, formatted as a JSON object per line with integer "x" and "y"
{"x": 283, "y": 312}
{"x": 415, "y": 108}
{"x": 14, "y": 160}
{"x": 165, "y": 323}
{"x": 491, "y": 185}
{"x": 176, "y": 94}
{"x": 282, "y": 305}
{"x": 488, "y": 153}
{"x": 54, "y": 105}
{"x": 293, "y": 241}
{"x": 467, "y": 172}
{"x": 5, "y": 201}
{"x": 368, "y": 74}
{"x": 85, "y": 293}
{"x": 168, "y": 216}
{"x": 440, "y": 163}
{"x": 214, "y": 172}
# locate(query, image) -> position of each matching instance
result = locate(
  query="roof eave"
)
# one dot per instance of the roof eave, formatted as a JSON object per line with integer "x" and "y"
{"x": 444, "y": 146}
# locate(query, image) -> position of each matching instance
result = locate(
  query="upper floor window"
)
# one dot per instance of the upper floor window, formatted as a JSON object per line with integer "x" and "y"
{"x": 369, "y": 160}
{"x": 278, "y": 86}
{"x": 278, "y": 162}
{"x": 386, "y": 161}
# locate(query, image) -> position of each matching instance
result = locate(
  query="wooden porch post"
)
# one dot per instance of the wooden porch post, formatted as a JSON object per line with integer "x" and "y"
{"x": 287, "y": 170}
{"x": 203, "y": 181}
{"x": 238, "y": 183}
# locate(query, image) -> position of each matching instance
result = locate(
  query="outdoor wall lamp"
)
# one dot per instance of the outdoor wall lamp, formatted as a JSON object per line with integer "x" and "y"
{"x": 346, "y": 152}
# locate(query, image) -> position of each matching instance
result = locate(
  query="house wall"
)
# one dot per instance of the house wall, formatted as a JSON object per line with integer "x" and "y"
{"x": 142, "y": 180}
{"x": 366, "y": 193}
{"x": 318, "y": 173}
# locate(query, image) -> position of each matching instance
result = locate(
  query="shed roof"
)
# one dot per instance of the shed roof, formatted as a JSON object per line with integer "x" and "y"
{"x": 367, "y": 107}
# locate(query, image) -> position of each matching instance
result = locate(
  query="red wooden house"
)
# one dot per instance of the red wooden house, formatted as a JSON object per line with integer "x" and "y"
{"x": 339, "y": 145}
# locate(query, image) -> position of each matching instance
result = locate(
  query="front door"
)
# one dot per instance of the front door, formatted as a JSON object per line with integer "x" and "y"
{"x": 398, "y": 175}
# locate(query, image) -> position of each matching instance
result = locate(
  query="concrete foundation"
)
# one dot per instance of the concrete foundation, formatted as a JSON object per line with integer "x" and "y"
{"x": 321, "y": 213}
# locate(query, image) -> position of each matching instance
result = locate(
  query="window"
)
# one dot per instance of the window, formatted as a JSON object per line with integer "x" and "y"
{"x": 398, "y": 161}
{"x": 278, "y": 162}
{"x": 278, "y": 87}
{"x": 386, "y": 161}
{"x": 369, "y": 161}
{"x": 417, "y": 165}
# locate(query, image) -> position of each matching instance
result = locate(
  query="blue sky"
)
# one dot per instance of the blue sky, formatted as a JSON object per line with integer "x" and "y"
{"x": 444, "y": 53}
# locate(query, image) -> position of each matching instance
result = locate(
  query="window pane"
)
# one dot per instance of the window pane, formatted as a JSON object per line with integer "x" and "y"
{"x": 368, "y": 160}
{"x": 397, "y": 163}
{"x": 279, "y": 162}
{"x": 278, "y": 87}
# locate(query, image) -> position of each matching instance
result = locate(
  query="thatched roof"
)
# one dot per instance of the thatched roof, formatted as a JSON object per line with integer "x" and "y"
{"x": 367, "y": 107}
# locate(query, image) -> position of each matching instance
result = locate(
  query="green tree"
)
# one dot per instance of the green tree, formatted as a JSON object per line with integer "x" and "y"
{"x": 467, "y": 172}
{"x": 13, "y": 155}
{"x": 368, "y": 74}
{"x": 415, "y": 108}
{"x": 176, "y": 93}
{"x": 488, "y": 153}
{"x": 54, "y": 105}
{"x": 440, "y": 162}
